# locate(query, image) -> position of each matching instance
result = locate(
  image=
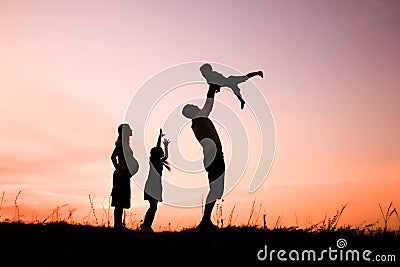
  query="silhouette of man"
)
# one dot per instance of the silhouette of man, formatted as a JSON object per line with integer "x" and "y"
{"x": 213, "y": 157}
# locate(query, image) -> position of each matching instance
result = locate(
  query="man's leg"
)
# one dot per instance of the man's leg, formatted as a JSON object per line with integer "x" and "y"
{"x": 207, "y": 213}
{"x": 216, "y": 179}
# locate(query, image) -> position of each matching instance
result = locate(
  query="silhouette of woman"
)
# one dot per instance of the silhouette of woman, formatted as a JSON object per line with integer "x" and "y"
{"x": 125, "y": 167}
{"x": 153, "y": 187}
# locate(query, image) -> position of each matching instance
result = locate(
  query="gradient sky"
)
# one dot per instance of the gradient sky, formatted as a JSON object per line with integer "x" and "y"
{"x": 69, "y": 69}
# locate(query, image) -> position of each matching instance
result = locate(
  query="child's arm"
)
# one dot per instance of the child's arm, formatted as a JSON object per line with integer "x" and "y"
{"x": 208, "y": 105}
{"x": 166, "y": 143}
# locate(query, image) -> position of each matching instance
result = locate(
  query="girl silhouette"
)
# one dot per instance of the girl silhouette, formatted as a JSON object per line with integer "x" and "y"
{"x": 153, "y": 186}
{"x": 125, "y": 167}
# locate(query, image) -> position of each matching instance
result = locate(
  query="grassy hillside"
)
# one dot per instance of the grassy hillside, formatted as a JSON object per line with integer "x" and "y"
{"x": 62, "y": 244}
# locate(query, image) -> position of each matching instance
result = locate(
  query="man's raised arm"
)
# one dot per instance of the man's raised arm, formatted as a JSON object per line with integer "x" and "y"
{"x": 208, "y": 105}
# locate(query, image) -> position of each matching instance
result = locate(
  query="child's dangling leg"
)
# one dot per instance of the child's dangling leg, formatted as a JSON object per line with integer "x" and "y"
{"x": 236, "y": 91}
{"x": 233, "y": 82}
{"x": 242, "y": 102}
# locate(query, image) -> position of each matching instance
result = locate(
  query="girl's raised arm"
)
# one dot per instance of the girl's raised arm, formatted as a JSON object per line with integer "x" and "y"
{"x": 159, "y": 138}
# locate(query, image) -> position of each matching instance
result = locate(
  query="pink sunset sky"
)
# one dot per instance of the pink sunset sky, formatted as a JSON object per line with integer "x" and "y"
{"x": 69, "y": 70}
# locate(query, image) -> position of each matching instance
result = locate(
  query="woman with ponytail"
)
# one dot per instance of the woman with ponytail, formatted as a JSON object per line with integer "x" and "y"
{"x": 125, "y": 167}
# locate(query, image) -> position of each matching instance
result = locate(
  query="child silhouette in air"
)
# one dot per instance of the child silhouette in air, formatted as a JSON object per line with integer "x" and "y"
{"x": 232, "y": 82}
{"x": 153, "y": 186}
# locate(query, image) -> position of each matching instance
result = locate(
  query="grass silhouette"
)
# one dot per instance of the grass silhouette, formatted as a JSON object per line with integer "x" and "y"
{"x": 60, "y": 240}
{"x": 64, "y": 244}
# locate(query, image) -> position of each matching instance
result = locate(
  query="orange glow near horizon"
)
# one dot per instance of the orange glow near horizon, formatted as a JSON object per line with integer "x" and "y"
{"x": 68, "y": 72}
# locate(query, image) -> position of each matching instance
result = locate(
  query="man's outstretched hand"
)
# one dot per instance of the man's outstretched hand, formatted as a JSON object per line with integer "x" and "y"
{"x": 214, "y": 87}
